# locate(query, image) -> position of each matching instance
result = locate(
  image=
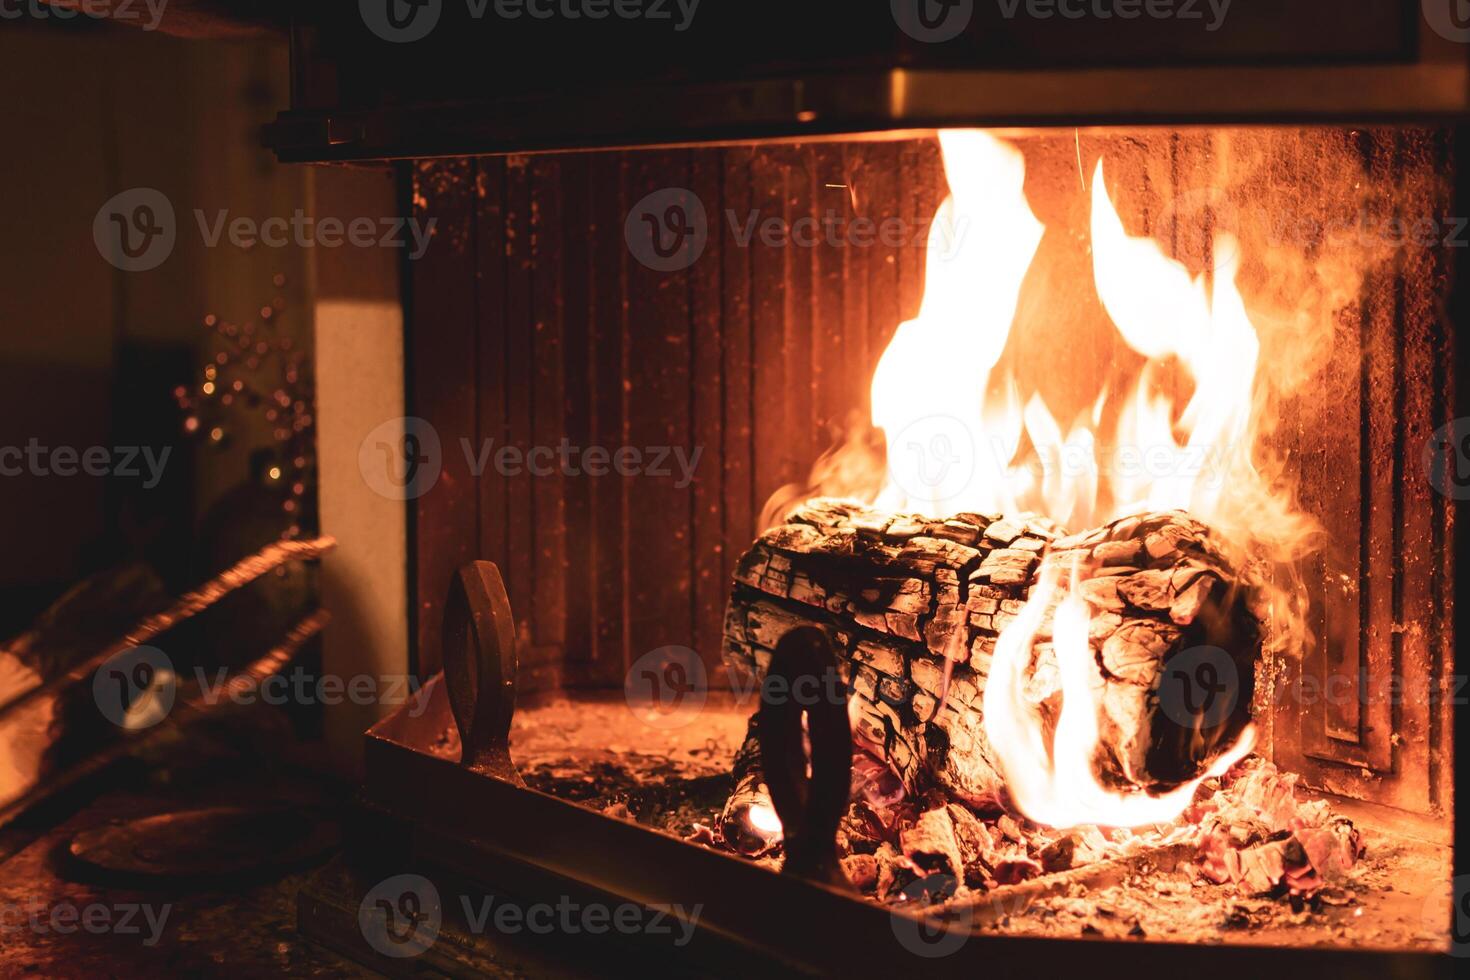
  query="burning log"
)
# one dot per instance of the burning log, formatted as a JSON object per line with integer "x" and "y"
{"x": 918, "y": 605}
{"x": 748, "y": 823}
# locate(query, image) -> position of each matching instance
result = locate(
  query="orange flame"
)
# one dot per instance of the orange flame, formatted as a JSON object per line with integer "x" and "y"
{"x": 960, "y": 438}
{"x": 948, "y": 451}
{"x": 1162, "y": 313}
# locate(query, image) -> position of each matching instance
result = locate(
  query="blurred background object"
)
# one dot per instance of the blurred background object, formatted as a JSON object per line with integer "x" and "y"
{"x": 91, "y": 355}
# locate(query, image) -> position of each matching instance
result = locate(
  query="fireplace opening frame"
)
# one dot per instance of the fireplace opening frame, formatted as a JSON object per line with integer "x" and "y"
{"x": 428, "y": 808}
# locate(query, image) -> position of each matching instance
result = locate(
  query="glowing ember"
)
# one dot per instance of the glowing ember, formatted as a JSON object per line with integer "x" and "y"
{"x": 763, "y": 819}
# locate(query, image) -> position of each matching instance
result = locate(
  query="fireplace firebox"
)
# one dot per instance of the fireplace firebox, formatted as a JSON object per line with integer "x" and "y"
{"x": 916, "y": 522}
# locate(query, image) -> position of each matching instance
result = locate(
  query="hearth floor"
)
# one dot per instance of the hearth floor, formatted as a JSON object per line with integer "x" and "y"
{"x": 674, "y": 775}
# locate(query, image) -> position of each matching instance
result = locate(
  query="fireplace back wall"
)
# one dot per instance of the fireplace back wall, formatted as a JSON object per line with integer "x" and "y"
{"x": 532, "y": 322}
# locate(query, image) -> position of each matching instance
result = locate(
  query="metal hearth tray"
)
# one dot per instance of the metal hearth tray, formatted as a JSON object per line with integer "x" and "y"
{"x": 473, "y": 827}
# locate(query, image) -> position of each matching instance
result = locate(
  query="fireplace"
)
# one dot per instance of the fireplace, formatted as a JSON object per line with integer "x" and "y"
{"x": 935, "y": 525}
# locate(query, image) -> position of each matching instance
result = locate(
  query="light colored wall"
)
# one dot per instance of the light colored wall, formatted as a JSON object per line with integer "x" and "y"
{"x": 92, "y": 112}
{"x": 360, "y": 379}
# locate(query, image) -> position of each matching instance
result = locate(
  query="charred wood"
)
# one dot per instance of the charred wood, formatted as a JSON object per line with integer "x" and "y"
{"x": 917, "y": 605}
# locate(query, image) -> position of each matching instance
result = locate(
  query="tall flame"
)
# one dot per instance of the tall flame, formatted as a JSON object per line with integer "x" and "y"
{"x": 947, "y": 449}
{"x": 1162, "y": 313}
{"x": 961, "y": 439}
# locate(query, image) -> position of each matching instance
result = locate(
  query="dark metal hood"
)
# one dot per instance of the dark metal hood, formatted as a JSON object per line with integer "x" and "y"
{"x": 383, "y": 79}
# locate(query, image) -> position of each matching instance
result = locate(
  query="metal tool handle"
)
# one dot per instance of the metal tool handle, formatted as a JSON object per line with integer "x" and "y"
{"x": 480, "y": 668}
{"x": 803, "y": 682}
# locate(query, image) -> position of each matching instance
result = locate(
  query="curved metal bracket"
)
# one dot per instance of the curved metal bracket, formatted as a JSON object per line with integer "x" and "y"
{"x": 480, "y": 668}
{"x": 803, "y": 682}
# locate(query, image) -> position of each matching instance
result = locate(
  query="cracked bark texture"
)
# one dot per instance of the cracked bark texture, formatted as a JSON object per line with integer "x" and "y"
{"x": 902, "y": 595}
